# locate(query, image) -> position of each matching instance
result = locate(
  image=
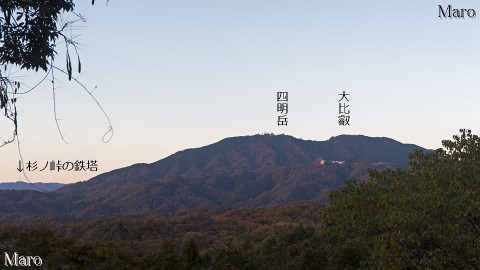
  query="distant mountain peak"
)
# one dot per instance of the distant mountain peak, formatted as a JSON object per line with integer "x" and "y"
{"x": 243, "y": 171}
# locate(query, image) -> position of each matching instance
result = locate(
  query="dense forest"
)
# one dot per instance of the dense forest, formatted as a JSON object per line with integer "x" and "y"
{"x": 208, "y": 238}
{"x": 425, "y": 217}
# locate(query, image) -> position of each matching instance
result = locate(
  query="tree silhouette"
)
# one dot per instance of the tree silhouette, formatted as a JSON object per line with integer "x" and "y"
{"x": 29, "y": 33}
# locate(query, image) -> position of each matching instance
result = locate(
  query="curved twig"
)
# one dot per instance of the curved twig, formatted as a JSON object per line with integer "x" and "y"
{"x": 110, "y": 130}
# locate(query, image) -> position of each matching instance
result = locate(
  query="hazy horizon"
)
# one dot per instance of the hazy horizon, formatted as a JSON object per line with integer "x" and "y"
{"x": 174, "y": 75}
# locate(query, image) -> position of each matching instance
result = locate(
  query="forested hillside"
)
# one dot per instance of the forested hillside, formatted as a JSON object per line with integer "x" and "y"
{"x": 424, "y": 217}
{"x": 249, "y": 171}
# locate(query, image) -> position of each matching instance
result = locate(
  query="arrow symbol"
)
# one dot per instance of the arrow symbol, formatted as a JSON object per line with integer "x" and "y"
{"x": 20, "y": 168}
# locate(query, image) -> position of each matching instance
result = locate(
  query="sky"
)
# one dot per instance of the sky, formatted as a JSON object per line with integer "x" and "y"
{"x": 173, "y": 75}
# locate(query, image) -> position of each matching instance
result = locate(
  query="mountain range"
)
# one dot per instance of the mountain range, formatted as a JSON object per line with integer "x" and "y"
{"x": 247, "y": 171}
{"x": 20, "y": 185}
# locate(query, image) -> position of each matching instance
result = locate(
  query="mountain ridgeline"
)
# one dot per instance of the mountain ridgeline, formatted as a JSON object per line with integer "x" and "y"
{"x": 19, "y": 185}
{"x": 248, "y": 171}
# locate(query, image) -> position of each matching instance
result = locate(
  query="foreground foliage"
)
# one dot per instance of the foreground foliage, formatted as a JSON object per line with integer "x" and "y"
{"x": 295, "y": 250}
{"x": 207, "y": 238}
{"x": 425, "y": 218}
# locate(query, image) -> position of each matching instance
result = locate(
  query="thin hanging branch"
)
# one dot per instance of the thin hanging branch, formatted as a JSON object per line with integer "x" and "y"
{"x": 55, "y": 106}
{"x": 29, "y": 31}
{"x": 28, "y": 38}
{"x": 109, "y": 133}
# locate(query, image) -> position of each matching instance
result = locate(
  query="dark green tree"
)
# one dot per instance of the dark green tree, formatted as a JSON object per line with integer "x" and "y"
{"x": 56, "y": 252}
{"x": 191, "y": 255}
{"x": 168, "y": 258}
{"x": 240, "y": 258}
{"x": 427, "y": 217}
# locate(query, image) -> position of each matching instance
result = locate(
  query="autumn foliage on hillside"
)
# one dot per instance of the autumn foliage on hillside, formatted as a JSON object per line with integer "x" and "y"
{"x": 206, "y": 238}
{"x": 248, "y": 171}
{"x": 426, "y": 217}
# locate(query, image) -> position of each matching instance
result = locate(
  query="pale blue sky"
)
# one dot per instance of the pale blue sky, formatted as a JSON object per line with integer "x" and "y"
{"x": 181, "y": 74}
